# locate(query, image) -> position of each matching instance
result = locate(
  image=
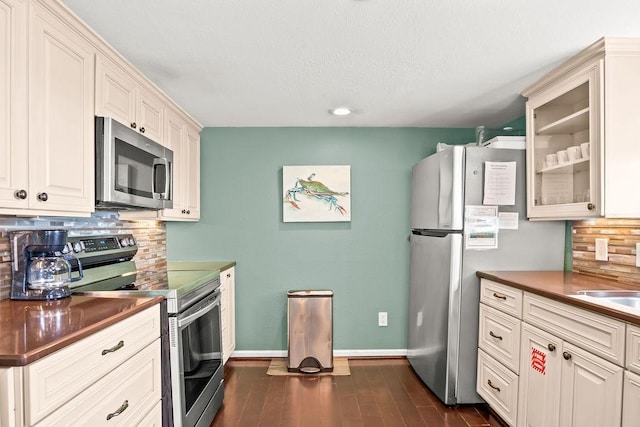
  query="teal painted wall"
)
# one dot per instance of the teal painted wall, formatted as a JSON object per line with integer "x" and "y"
{"x": 365, "y": 261}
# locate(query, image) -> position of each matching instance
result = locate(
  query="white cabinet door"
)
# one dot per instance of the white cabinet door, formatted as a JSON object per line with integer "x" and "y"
{"x": 539, "y": 388}
{"x": 591, "y": 390}
{"x": 184, "y": 141}
{"x": 115, "y": 92}
{"x": 61, "y": 116}
{"x": 631, "y": 403}
{"x": 13, "y": 104}
{"x": 228, "y": 312}
{"x": 192, "y": 169}
{"x": 150, "y": 115}
{"x": 8, "y": 415}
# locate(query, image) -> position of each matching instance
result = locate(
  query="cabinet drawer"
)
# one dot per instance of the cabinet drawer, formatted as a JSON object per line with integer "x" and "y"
{"x": 504, "y": 298}
{"x": 55, "y": 379}
{"x": 499, "y": 336}
{"x": 134, "y": 388}
{"x": 498, "y": 386}
{"x": 593, "y": 332}
{"x": 633, "y": 348}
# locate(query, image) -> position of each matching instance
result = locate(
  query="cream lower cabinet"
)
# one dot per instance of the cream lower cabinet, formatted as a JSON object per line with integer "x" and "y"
{"x": 9, "y": 398}
{"x": 228, "y": 312}
{"x": 112, "y": 377}
{"x": 570, "y": 361}
{"x": 563, "y": 385}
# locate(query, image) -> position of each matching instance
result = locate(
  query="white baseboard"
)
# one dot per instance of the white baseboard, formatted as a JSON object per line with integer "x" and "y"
{"x": 240, "y": 354}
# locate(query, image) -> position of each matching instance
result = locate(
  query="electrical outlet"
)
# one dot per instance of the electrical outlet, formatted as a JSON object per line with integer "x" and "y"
{"x": 602, "y": 249}
{"x": 382, "y": 318}
{"x": 637, "y": 254}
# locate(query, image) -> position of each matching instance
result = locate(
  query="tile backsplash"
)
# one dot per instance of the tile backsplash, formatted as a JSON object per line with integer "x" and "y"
{"x": 150, "y": 235}
{"x": 622, "y": 234}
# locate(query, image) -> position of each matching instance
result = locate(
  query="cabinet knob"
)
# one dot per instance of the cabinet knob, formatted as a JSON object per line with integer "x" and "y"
{"x": 551, "y": 347}
{"x": 566, "y": 355}
{"x": 228, "y": 275}
{"x": 184, "y": 211}
{"x": 20, "y": 194}
{"x": 142, "y": 129}
{"x": 188, "y": 212}
{"x": 43, "y": 197}
{"x": 591, "y": 206}
{"x": 133, "y": 125}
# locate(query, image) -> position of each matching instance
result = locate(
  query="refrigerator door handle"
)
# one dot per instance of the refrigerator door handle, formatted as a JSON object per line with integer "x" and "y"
{"x": 453, "y": 344}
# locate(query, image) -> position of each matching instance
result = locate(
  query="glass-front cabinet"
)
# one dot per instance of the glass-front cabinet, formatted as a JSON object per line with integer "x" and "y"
{"x": 583, "y": 155}
{"x": 564, "y": 141}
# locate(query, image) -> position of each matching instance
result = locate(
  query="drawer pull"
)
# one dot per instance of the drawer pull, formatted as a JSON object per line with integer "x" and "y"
{"x": 566, "y": 355}
{"x": 551, "y": 347}
{"x": 497, "y": 295}
{"x": 120, "y": 410}
{"x": 114, "y": 348}
{"x": 495, "y": 336}
{"x": 492, "y": 386}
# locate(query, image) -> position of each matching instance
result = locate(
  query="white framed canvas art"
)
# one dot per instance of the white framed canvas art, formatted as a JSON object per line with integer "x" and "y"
{"x": 316, "y": 193}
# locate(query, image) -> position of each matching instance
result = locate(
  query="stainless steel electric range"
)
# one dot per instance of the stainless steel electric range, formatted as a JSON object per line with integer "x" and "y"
{"x": 193, "y": 386}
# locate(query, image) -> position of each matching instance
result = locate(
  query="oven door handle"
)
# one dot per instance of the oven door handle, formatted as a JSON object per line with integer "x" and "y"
{"x": 190, "y": 318}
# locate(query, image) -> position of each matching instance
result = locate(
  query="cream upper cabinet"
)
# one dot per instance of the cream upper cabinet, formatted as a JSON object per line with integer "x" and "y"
{"x": 120, "y": 96}
{"x": 228, "y": 312}
{"x": 184, "y": 140}
{"x": 13, "y": 106}
{"x": 581, "y": 151}
{"x": 47, "y": 114}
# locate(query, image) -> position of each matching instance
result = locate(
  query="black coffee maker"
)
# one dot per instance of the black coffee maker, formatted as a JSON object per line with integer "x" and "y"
{"x": 39, "y": 268}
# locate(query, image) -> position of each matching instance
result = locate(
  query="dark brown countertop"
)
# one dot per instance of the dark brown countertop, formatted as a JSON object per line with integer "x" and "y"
{"x": 30, "y": 330}
{"x": 563, "y": 286}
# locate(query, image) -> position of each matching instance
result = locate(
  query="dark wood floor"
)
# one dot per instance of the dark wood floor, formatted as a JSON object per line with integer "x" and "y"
{"x": 379, "y": 392}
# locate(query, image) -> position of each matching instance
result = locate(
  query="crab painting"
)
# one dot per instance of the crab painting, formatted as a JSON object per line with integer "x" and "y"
{"x": 315, "y": 190}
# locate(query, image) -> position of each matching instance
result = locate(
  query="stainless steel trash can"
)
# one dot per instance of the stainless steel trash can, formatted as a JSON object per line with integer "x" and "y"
{"x": 310, "y": 324}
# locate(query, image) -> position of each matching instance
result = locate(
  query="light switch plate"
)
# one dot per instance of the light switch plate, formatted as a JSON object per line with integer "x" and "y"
{"x": 602, "y": 249}
{"x": 637, "y": 254}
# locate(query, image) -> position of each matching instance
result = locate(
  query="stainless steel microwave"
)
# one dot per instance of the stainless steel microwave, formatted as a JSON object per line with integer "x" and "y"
{"x": 132, "y": 171}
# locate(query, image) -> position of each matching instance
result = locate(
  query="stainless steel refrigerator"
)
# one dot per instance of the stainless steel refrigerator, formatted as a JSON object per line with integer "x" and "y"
{"x": 444, "y": 288}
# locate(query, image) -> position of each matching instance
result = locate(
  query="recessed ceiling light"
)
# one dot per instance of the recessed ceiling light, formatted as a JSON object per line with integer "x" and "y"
{"x": 340, "y": 111}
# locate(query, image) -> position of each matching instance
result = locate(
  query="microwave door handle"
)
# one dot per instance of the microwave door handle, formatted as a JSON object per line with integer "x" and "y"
{"x": 157, "y": 162}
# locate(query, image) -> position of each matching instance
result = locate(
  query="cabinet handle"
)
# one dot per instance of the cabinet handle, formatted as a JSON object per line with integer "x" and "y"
{"x": 492, "y": 386}
{"x": 188, "y": 212}
{"x": 228, "y": 275}
{"x": 591, "y": 206}
{"x": 133, "y": 125}
{"x": 502, "y": 297}
{"x": 21, "y": 194}
{"x": 566, "y": 355}
{"x": 118, "y": 411}
{"x": 495, "y": 336}
{"x": 142, "y": 129}
{"x": 184, "y": 211}
{"x": 114, "y": 348}
{"x": 551, "y": 347}
{"x": 43, "y": 197}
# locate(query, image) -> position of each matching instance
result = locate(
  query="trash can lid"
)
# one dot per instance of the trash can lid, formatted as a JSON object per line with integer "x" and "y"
{"x": 309, "y": 293}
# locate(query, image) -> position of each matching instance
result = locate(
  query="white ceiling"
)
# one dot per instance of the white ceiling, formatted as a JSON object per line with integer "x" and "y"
{"x": 398, "y": 63}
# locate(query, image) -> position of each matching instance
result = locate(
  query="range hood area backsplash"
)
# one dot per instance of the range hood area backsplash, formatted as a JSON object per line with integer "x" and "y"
{"x": 622, "y": 234}
{"x": 150, "y": 235}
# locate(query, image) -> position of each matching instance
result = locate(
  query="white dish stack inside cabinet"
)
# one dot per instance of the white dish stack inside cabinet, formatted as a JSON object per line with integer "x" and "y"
{"x": 581, "y": 149}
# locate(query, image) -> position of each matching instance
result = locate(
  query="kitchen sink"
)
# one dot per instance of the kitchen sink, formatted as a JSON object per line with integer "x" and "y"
{"x": 628, "y": 298}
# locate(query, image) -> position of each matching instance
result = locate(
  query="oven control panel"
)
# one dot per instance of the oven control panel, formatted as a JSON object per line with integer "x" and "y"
{"x": 97, "y": 244}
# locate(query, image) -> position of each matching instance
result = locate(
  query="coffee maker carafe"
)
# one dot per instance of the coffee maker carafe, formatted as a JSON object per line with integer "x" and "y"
{"x": 40, "y": 270}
